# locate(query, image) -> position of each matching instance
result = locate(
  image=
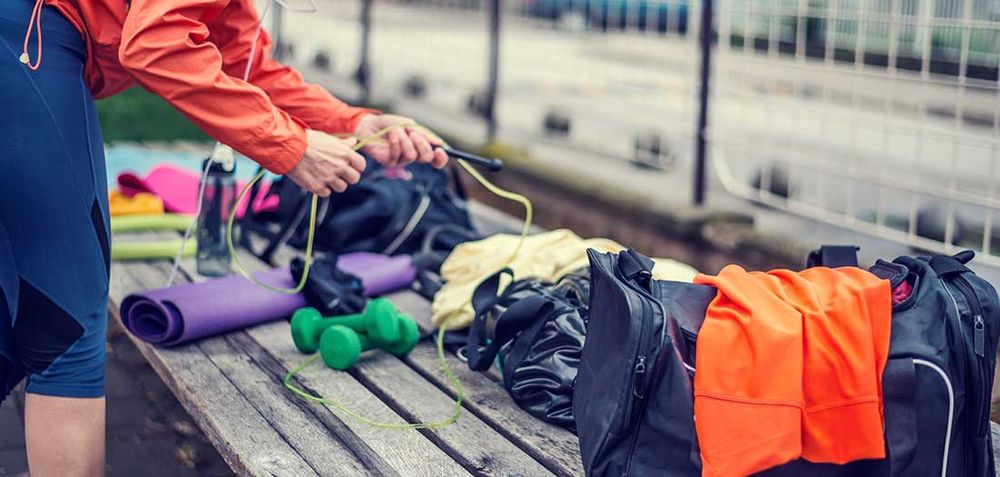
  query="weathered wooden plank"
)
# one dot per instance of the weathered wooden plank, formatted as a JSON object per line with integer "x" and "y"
{"x": 472, "y": 442}
{"x": 297, "y": 424}
{"x": 406, "y": 453}
{"x": 245, "y": 440}
{"x": 419, "y": 309}
{"x": 553, "y": 446}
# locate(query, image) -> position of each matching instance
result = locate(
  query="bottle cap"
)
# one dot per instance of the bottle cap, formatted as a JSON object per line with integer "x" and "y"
{"x": 217, "y": 168}
{"x": 224, "y": 155}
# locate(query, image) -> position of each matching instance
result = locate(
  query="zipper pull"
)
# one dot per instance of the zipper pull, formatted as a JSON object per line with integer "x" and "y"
{"x": 979, "y": 336}
{"x": 640, "y": 372}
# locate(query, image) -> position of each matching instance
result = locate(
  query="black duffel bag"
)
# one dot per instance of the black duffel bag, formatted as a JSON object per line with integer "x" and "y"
{"x": 535, "y": 330}
{"x": 633, "y": 398}
{"x": 388, "y": 211}
{"x": 634, "y": 403}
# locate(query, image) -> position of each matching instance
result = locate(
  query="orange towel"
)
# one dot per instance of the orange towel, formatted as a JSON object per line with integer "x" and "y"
{"x": 790, "y": 365}
{"x": 139, "y": 204}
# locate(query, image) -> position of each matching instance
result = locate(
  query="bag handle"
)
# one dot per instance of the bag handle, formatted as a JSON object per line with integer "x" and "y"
{"x": 833, "y": 256}
{"x": 947, "y": 265}
{"x": 633, "y": 264}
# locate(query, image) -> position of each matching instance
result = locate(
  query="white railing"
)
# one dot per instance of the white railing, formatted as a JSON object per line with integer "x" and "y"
{"x": 878, "y": 115}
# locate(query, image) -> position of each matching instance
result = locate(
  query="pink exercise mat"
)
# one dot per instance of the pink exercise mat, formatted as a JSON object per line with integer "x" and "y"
{"x": 178, "y": 188}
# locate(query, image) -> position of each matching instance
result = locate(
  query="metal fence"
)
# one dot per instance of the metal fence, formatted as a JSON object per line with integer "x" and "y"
{"x": 879, "y": 115}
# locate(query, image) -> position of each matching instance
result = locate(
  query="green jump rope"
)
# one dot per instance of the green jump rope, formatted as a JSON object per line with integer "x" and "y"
{"x": 292, "y": 374}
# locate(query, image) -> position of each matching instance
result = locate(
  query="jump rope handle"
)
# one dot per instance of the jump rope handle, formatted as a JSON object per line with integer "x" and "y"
{"x": 494, "y": 165}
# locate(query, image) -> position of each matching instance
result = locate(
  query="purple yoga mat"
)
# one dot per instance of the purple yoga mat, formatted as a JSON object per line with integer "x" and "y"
{"x": 183, "y": 313}
{"x": 379, "y": 273}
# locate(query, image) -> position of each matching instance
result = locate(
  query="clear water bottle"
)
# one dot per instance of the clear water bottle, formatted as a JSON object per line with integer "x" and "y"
{"x": 217, "y": 203}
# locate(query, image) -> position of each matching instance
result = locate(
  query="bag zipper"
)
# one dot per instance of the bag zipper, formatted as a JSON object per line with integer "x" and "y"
{"x": 613, "y": 276}
{"x": 639, "y": 369}
{"x": 640, "y": 372}
{"x": 656, "y": 376}
{"x": 978, "y": 351}
{"x": 979, "y": 325}
{"x": 629, "y": 404}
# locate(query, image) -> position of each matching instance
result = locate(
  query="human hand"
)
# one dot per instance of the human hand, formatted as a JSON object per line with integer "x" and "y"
{"x": 330, "y": 164}
{"x": 402, "y": 145}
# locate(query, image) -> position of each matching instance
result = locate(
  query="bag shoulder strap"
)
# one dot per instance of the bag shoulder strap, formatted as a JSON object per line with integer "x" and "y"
{"x": 489, "y": 333}
{"x": 901, "y": 430}
{"x": 833, "y": 256}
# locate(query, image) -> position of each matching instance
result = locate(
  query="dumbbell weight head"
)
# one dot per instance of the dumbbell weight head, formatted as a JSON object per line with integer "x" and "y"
{"x": 340, "y": 347}
{"x": 380, "y": 321}
{"x": 409, "y": 335}
{"x": 307, "y": 325}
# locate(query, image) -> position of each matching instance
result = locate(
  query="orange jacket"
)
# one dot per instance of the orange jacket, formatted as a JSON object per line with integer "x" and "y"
{"x": 193, "y": 54}
{"x": 790, "y": 365}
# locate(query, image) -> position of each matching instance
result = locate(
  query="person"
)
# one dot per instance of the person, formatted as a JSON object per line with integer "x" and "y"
{"x": 56, "y": 57}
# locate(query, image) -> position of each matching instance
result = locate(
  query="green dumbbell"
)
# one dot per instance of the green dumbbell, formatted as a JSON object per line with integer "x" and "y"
{"x": 380, "y": 321}
{"x": 409, "y": 335}
{"x": 340, "y": 347}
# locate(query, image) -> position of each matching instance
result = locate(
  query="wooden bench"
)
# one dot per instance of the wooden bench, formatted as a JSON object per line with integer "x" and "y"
{"x": 232, "y": 386}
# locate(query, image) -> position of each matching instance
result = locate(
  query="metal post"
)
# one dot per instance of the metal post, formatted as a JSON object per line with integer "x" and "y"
{"x": 494, "y": 72}
{"x": 277, "y": 19}
{"x": 363, "y": 75}
{"x": 701, "y": 140}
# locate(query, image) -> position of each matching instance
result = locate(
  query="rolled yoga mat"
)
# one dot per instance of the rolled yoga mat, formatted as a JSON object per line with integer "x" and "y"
{"x": 151, "y": 250}
{"x": 123, "y": 250}
{"x": 180, "y": 314}
{"x": 379, "y": 274}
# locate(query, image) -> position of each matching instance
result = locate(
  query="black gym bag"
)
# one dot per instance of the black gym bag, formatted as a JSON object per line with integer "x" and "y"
{"x": 537, "y": 330}
{"x": 385, "y": 212}
{"x": 633, "y": 397}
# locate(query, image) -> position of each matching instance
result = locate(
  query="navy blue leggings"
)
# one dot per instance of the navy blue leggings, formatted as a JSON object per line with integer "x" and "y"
{"x": 53, "y": 214}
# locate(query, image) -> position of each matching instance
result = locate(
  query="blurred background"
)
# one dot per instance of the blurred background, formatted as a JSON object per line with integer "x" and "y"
{"x": 874, "y": 122}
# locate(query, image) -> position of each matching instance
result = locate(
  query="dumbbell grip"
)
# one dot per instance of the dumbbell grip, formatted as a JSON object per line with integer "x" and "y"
{"x": 367, "y": 343}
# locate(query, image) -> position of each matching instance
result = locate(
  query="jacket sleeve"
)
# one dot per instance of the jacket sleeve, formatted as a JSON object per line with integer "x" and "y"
{"x": 234, "y": 31}
{"x": 165, "y": 46}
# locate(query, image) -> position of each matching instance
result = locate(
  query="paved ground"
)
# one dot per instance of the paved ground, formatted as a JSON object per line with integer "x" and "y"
{"x": 149, "y": 433}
